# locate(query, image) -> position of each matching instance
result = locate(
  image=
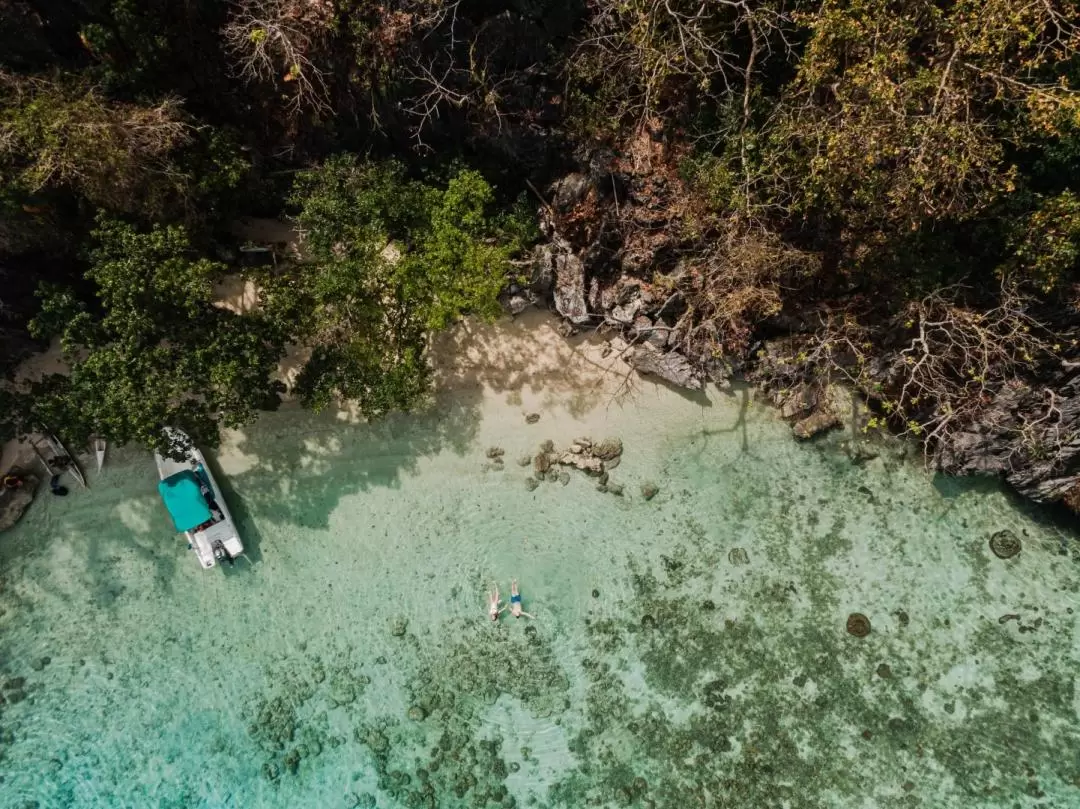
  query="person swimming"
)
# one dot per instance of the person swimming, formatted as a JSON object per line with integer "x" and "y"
{"x": 493, "y": 603}
{"x": 515, "y": 601}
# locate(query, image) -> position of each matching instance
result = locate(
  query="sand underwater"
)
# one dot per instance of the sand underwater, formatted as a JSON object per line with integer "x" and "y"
{"x": 689, "y": 650}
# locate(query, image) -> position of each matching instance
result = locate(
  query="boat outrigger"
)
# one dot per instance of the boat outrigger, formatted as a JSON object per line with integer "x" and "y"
{"x": 56, "y": 459}
{"x": 99, "y": 452}
{"x": 195, "y": 503}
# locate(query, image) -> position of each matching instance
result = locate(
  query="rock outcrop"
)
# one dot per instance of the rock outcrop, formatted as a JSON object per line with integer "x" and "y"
{"x": 612, "y": 259}
{"x": 668, "y": 365}
{"x": 1036, "y": 455}
{"x": 14, "y": 502}
{"x": 557, "y": 267}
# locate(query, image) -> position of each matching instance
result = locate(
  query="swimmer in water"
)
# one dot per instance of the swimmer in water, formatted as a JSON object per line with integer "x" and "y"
{"x": 515, "y": 601}
{"x": 493, "y": 603}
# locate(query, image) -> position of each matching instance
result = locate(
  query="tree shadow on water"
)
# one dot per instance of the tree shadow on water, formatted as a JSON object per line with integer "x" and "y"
{"x": 302, "y": 464}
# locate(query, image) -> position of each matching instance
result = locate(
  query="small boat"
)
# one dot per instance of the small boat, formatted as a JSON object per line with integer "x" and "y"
{"x": 55, "y": 457}
{"x": 195, "y": 504}
{"x": 99, "y": 452}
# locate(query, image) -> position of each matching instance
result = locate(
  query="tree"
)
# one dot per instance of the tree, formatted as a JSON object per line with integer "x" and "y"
{"x": 902, "y": 113}
{"x": 280, "y": 42}
{"x": 152, "y": 350}
{"x": 640, "y": 59}
{"x": 62, "y": 132}
{"x": 391, "y": 261}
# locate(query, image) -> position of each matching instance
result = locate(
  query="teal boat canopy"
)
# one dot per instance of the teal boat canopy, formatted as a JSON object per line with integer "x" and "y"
{"x": 184, "y": 500}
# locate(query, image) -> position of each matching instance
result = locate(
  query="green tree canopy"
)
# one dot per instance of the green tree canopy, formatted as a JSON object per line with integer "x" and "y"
{"x": 152, "y": 349}
{"x": 390, "y": 260}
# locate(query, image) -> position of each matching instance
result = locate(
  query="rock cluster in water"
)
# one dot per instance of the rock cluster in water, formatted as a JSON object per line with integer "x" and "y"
{"x": 594, "y": 458}
{"x": 447, "y": 695}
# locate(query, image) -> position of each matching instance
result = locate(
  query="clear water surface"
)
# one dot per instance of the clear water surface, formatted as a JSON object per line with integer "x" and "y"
{"x": 688, "y": 651}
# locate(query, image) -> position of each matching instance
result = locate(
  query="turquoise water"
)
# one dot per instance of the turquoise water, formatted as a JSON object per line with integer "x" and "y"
{"x": 688, "y": 651}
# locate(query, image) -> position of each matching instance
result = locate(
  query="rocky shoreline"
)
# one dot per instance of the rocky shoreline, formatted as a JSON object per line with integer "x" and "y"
{"x": 596, "y": 273}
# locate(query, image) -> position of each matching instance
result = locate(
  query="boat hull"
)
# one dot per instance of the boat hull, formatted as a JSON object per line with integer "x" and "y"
{"x": 219, "y": 540}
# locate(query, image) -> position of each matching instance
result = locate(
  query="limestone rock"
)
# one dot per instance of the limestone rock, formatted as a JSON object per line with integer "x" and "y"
{"x": 519, "y": 303}
{"x": 569, "y": 290}
{"x": 625, "y": 314}
{"x": 822, "y": 419}
{"x": 13, "y": 502}
{"x": 568, "y": 191}
{"x": 608, "y": 449}
{"x": 671, "y": 367}
{"x": 587, "y": 463}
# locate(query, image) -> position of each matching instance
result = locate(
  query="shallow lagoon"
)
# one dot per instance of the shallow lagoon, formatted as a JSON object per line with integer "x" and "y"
{"x": 688, "y": 651}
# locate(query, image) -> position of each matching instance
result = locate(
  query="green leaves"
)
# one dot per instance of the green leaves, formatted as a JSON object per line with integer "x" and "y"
{"x": 152, "y": 350}
{"x": 1047, "y": 243}
{"x": 392, "y": 260}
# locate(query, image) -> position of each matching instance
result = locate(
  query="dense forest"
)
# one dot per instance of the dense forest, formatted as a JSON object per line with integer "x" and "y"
{"x": 873, "y": 192}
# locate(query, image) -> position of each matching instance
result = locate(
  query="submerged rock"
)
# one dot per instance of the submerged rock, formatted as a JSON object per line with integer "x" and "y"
{"x": 13, "y": 502}
{"x": 532, "y": 418}
{"x": 1005, "y": 544}
{"x": 649, "y": 490}
{"x": 399, "y": 626}
{"x": 858, "y": 625}
{"x": 817, "y": 422}
{"x": 541, "y": 463}
{"x": 738, "y": 556}
{"x": 608, "y": 449}
{"x": 531, "y": 483}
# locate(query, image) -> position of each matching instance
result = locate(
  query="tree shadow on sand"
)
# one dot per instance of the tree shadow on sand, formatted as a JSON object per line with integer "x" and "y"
{"x": 526, "y": 356}
{"x": 302, "y": 464}
{"x": 297, "y": 466}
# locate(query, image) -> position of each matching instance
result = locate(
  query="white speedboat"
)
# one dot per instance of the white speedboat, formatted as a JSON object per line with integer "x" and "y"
{"x": 195, "y": 503}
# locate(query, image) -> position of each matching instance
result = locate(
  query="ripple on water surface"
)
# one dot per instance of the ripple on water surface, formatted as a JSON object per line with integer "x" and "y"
{"x": 688, "y": 650}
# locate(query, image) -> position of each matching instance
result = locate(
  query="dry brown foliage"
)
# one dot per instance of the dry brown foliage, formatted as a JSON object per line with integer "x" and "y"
{"x": 64, "y": 132}
{"x": 731, "y": 287}
{"x": 279, "y": 41}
